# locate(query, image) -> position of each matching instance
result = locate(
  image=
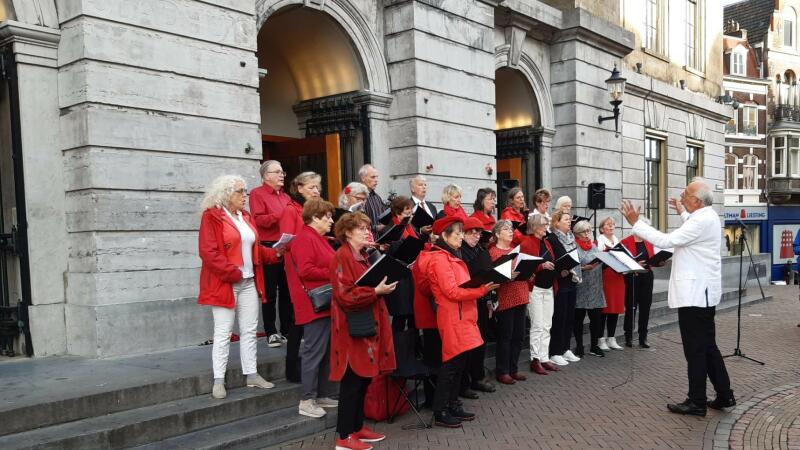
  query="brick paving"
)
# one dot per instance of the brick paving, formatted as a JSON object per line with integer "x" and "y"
{"x": 619, "y": 401}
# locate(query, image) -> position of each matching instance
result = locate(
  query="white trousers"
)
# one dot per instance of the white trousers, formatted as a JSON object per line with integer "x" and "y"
{"x": 540, "y": 311}
{"x": 247, "y": 309}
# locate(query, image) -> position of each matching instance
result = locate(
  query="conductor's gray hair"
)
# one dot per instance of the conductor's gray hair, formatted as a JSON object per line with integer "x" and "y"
{"x": 704, "y": 192}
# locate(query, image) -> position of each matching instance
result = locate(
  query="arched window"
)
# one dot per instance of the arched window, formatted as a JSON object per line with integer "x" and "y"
{"x": 789, "y": 22}
{"x": 749, "y": 171}
{"x": 731, "y": 171}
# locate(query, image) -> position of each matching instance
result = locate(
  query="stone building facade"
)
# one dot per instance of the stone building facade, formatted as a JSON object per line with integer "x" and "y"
{"x": 128, "y": 109}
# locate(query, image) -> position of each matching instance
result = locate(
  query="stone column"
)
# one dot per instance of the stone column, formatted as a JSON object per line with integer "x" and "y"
{"x": 546, "y": 157}
{"x": 35, "y": 53}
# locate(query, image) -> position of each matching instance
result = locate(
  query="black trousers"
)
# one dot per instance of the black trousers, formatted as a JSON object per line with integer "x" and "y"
{"x": 702, "y": 355}
{"x": 432, "y": 357}
{"x": 402, "y": 322}
{"x": 563, "y": 317}
{"x": 475, "y": 370}
{"x": 448, "y": 382}
{"x": 278, "y": 300}
{"x": 610, "y": 322}
{"x": 510, "y": 331}
{"x": 639, "y": 292}
{"x": 595, "y": 326}
{"x": 352, "y": 391}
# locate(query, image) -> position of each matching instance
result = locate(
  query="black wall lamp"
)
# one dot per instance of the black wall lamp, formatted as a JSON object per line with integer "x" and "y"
{"x": 615, "y": 85}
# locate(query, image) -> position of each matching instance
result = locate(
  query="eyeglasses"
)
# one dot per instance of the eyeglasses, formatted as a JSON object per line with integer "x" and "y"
{"x": 278, "y": 172}
{"x": 242, "y": 191}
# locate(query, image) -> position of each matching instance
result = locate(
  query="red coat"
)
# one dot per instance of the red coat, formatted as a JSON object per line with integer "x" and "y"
{"x": 515, "y": 216}
{"x": 457, "y": 310}
{"x": 267, "y": 206}
{"x": 292, "y": 219}
{"x": 458, "y": 212}
{"x": 630, "y": 243}
{"x": 220, "y": 246}
{"x": 424, "y": 315}
{"x": 312, "y": 255}
{"x": 487, "y": 220}
{"x": 367, "y": 357}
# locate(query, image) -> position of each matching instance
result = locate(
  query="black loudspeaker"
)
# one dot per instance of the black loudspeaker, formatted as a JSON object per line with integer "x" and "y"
{"x": 597, "y": 196}
{"x": 509, "y": 184}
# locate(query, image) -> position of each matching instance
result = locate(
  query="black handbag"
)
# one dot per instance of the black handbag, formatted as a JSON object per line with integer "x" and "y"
{"x": 320, "y": 296}
{"x": 361, "y": 323}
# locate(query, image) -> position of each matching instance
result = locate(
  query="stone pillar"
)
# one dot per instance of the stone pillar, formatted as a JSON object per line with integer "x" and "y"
{"x": 441, "y": 63}
{"x": 546, "y": 157}
{"x": 377, "y": 114}
{"x": 35, "y": 54}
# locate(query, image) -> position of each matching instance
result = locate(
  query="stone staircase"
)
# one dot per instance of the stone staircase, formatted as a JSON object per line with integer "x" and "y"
{"x": 163, "y": 400}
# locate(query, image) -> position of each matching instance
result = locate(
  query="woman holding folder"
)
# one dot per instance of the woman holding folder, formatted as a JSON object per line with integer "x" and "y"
{"x": 355, "y": 360}
{"x": 456, "y": 318}
{"x": 590, "y": 300}
{"x": 515, "y": 212}
{"x": 401, "y": 301}
{"x": 638, "y": 289}
{"x": 563, "y": 242}
{"x": 613, "y": 287}
{"x": 510, "y": 312}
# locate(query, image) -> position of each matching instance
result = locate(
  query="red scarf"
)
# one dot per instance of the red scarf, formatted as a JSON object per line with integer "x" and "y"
{"x": 450, "y": 211}
{"x": 585, "y": 245}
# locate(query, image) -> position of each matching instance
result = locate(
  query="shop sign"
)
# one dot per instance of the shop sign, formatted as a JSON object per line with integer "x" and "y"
{"x": 746, "y": 213}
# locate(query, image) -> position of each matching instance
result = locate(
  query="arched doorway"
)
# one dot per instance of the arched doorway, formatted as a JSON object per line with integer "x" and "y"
{"x": 313, "y": 96}
{"x": 518, "y": 131}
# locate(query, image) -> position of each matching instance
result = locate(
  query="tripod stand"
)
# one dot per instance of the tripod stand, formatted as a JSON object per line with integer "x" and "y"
{"x": 744, "y": 245}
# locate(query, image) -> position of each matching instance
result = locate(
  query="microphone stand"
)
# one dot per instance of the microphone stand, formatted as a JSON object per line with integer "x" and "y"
{"x": 744, "y": 245}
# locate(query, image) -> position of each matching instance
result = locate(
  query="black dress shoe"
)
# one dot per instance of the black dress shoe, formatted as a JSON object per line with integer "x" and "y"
{"x": 445, "y": 419}
{"x": 483, "y": 386}
{"x": 468, "y": 394}
{"x": 629, "y": 343}
{"x": 644, "y": 344}
{"x": 719, "y": 403}
{"x": 457, "y": 411}
{"x": 688, "y": 407}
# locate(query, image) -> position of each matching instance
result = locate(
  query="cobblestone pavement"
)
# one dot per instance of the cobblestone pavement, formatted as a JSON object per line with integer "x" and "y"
{"x": 619, "y": 401}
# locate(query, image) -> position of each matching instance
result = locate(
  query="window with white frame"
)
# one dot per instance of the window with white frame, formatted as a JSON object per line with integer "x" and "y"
{"x": 789, "y": 22}
{"x": 694, "y": 162}
{"x": 651, "y": 25}
{"x": 750, "y": 120}
{"x": 779, "y": 156}
{"x": 731, "y": 171}
{"x": 749, "y": 171}
{"x": 793, "y": 158}
{"x": 692, "y": 35}
{"x": 653, "y": 180}
{"x": 737, "y": 63}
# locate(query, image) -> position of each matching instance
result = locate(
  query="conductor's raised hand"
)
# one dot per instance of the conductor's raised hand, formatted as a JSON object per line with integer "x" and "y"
{"x": 675, "y": 204}
{"x": 630, "y": 212}
{"x": 382, "y": 288}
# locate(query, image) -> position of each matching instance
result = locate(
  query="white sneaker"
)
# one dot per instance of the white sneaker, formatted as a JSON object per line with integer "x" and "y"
{"x": 218, "y": 391}
{"x": 274, "y": 340}
{"x": 327, "y": 402}
{"x": 259, "y": 382}
{"x": 569, "y": 356}
{"x": 602, "y": 344}
{"x": 558, "y": 360}
{"x": 311, "y": 409}
{"x": 612, "y": 343}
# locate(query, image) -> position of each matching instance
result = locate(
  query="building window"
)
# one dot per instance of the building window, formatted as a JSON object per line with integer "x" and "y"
{"x": 691, "y": 34}
{"x": 730, "y": 127}
{"x": 653, "y": 180}
{"x": 694, "y": 162}
{"x": 789, "y": 20}
{"x": 749, "y": 171}
{"x": 779, "y": 156}
{"x": 651, "y": 25}
{"x": 737, "y": 63}
{"x": 731, "y": 171}
{"x": 750, "y": 120}
{"x": 794, "y": 157}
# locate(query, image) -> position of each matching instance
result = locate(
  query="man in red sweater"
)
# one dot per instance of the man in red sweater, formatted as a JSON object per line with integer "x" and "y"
{"x": 267, "y": 203}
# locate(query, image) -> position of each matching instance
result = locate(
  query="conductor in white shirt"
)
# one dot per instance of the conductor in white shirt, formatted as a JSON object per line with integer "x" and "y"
{"x": 695, "y": 288}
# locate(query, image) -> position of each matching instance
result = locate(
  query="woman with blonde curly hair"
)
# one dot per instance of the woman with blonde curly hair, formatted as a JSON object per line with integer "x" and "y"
{"x": 451, "y": 198}
{"x": 231, "y": 276}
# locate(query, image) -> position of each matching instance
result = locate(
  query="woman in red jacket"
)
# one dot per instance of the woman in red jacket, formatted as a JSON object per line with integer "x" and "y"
{"x": 456, "y": 318}
{"x": 510, "y": 312}
{"x": 308, "y": 267}
{"x": 451, "y": 197}
{"x": 484, "y": 207}
{"x": 303, "y": 187}
{"x": 515, "y": 212}
{"x": 356, "y": 360}
{"x": 231, "y": 276}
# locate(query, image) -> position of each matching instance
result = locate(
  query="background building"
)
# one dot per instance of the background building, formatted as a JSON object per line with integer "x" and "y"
{"x": 118, "y": 114}
{"x": 771, "y": 31}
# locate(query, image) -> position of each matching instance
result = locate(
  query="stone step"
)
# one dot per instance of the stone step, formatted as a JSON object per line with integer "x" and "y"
{"x": 254, "y": 433}
{"x": 131, "y": 383}
{"x": 159, "y": 421}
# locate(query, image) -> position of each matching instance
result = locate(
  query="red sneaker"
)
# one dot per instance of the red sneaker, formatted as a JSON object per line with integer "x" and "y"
{"x": 351, "y": 443}
{"x": 505, "y": 379}
{"x": 518, "y": 376}
{"x": 367, "y": 435}
{"x": 550, "y": 366}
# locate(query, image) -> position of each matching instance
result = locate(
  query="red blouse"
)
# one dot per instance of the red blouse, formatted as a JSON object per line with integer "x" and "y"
{"x": 513, "y": 293}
